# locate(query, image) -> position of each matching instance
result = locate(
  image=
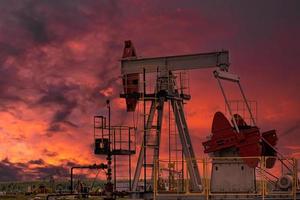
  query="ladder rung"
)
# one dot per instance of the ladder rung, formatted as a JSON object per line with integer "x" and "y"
{"x": 98, "y": 127}
{"x": 149, "y": 165}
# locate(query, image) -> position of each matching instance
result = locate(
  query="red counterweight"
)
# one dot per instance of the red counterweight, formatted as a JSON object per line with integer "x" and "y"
{"x": 130, "y": 81}
{"x": 246, "y": 143}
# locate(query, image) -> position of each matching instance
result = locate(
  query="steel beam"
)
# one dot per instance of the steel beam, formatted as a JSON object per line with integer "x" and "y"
{"x": 172, "y": 63}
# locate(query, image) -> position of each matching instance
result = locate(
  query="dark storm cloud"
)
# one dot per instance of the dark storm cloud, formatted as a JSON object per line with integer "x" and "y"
{"x": 9, "y": 171}
{"x": 28, "y": 25}
{"x": 41, "y": 22}
{"x": 71, "y": 164}
{"x": 62, "y": 115}
{"x": 49, "y": 153}
{"x": 9, "y": 77}
{"x": 54, "y": 127}
{"x": 60, "y": 95}
{"x": 37, "y": 162}
{"x": 57, "y": 94}
{"x": 19, "y": 171}
{"x": 36, "y": 31}
{"x": 35, "y": 24}
{"x": 51, "y": 170}
{"x": 8, "y": 50}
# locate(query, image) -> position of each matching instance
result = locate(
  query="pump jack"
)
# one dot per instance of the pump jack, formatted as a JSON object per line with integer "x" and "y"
{"x": 166, "y": 90}
{"x": 238, "y": 138}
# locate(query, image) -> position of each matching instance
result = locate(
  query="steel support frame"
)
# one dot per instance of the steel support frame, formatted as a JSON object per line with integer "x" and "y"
{"x": 187, "y": 146}
{"x": 188, "y": 151}
{"x": 184, "y": 138}
{"x": 160, "y": 110}
{"x": 140, "y": 161}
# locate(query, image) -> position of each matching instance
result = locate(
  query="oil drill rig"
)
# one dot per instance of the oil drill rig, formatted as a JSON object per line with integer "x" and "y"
{"x": 241, "y": 157}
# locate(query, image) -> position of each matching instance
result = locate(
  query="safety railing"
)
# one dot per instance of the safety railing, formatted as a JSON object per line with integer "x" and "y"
{"x": 240, "y": 107}
{"x": 227, "y": 178}
{"x": 116, "y": 140}
{"x": 284, "y": 175}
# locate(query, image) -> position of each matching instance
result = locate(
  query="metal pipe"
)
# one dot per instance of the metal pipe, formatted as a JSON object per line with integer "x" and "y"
{"x": 129, "y": 158}
{"x": 115, "y": 159}
{"x": 109, "y": 155}
{"x": 71, "y": 187}
{"x": 246, "y": 102}
{"x": 228, "y": 106}
{"x": 169, "y": 127}
{"x": 145, "y": 131}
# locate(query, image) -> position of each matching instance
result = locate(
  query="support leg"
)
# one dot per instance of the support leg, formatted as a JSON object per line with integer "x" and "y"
{"x": 138, "y": 169}
{"x": 187, "y": 145}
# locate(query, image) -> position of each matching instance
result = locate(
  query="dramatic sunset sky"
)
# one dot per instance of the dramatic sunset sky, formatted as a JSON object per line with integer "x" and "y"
{"x": 59, "y": 62}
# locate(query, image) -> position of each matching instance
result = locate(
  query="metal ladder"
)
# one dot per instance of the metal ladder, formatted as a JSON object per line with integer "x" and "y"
{"x": 175, "y": 154}
{"x": 150, "y": 147}
{"x": 187, "y": 145}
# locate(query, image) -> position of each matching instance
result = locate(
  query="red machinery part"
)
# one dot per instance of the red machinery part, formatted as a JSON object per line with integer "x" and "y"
{"x": 131, "y": 81}
{"x": 247, "y": 142}
{"x": 223, "y": 135}
{"x": 268, "y": 150}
